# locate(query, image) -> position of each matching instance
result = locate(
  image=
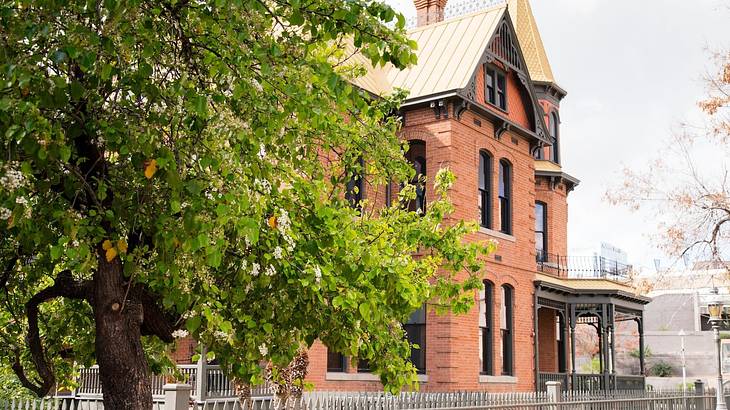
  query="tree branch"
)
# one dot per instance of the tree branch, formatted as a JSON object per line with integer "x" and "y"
{"x": 64, "y": 286}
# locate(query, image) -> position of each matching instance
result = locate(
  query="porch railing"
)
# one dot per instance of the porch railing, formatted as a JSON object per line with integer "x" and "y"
{"x": 543, "y": 378}
{"x": 582, "y": 267}
{"x": 585, "y": 382}
{"x": 216, "y": 383}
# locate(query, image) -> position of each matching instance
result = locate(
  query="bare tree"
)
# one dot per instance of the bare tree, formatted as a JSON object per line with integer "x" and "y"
{"x": 687, "y": 184}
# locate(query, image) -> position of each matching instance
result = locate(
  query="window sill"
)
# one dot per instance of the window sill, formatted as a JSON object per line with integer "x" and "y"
{"x": 497, "y": 234}
{"x": 363, "y": 377}
{"x": 497, "y": 379}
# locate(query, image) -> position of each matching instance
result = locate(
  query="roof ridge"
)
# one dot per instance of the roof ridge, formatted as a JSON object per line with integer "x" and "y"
{"x": 459, "y": 17}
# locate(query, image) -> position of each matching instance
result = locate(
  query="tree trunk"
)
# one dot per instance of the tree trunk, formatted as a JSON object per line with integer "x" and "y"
{"x": 122, "y": 364}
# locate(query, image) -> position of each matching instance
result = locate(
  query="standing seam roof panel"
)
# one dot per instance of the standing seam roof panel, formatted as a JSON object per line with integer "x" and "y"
{"x": 417, "y": 81}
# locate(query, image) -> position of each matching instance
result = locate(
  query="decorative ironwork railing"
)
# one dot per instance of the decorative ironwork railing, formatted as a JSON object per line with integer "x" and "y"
{"x": 543, "y": 378}
{"x": 592, "y": 383}
{"x": 582, "y": 267}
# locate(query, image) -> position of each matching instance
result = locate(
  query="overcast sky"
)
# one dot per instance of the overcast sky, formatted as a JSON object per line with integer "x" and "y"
{"x": 633, "y": 70}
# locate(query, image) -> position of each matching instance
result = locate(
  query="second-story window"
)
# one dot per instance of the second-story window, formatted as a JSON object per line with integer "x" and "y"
{"x": 356, "y": 184}
{"x": 415, "y": 329}
{"x": 506, "y": 324}
{"x": 416, "y": 155}
{"x": 554, "y": 130}
{"x": 495, "y": 87}
{"x": 505, "y": 197}
{"x": 485, "y": 187}
{"x": 540, "y": 231}
{"x": 486, "y": 347}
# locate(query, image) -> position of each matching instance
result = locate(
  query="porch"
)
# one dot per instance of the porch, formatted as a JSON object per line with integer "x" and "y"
{"x": 564, "y": 304}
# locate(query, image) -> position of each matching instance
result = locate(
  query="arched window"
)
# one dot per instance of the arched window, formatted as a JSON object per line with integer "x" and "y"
{"x": 416, "y": 155}
{"x": 505, "y": 197}
{"x": 485, "y": 188}
{"x": 356, "y": 184}
{"x": 554, "y": 130}
{"x": 506, "y": 319}
{"x": 486, "y": 346}
{"x": 541, "y": 231}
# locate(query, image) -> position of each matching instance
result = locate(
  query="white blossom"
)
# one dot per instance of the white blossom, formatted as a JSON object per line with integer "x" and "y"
{"x": 13, "y": 178}
{"x": 262, "y": 151}
{"x": 278, "y": 252}
{"x": 179, "y": 334}
{"x": 317, "y": 273}
{"x": 263, "y": 349}
{"x": 262, "y": 185}
{"x": 270, "y": 271}
{"x": 4, "y": 213}
{"x": 220, "y": 335}
{"x": 255, "y": 269}
{"x": 21, "y": 200}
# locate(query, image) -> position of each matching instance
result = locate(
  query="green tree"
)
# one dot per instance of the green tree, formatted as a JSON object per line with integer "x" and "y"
{"x": 180, "y": 166}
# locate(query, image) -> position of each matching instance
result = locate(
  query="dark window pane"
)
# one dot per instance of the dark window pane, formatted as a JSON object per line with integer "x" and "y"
{"x": 335, "y": 361}
{"x": 356, "y": 184}
{"x": 416, "y": 335}
{"x": 501, "y": 91}
{"x": 363, "y": 366}
{"x": 506, "y": 323}
{"x": 486, "y": 350}
{"x": 555, "y": 149}
{"x": 416, "y": 155}
{"x": 540, "y": 237}
{"x": 485, "y": 182}
{"x": 505, "y": 197}
{"x": 489, "y": 85}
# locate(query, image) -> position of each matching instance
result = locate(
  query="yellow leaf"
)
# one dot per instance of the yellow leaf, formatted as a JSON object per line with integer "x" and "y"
{"x": 111, "y": 253}
{"x": 272, "y": 222}
{"x": 150, "y": 169}
{"x": 122, "y": 245}
{"x": 107, "y": 245}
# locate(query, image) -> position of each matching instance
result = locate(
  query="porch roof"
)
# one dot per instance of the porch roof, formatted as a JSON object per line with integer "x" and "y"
{"x": 589, "y": 291}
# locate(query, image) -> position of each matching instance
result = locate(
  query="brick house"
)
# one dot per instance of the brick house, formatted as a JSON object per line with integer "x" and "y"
{"x": 483, "y": 101}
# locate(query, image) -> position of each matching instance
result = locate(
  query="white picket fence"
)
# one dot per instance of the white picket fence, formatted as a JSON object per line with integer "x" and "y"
{"x": 551, "y": 400}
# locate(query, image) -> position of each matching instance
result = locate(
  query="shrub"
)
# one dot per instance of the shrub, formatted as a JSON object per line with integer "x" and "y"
{"x": 662, "y": 369}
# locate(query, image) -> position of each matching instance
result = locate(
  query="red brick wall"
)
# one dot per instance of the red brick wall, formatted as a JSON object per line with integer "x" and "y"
{"x": 452, "y": 353}
{"x": 516, "y": 106}
{"x": 547, "y": 345}
{"x": 555, "y": 197}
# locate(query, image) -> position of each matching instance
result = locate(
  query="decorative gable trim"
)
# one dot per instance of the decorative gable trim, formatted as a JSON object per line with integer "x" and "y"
{"x": 503, "y": 46}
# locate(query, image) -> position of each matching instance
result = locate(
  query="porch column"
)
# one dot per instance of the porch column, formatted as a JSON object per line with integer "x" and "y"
{"x": 604, "y": 346}
{"x": 640, "y": 323}
{"x": 536, "y": 342}
{"x": 612, "y": 329}
{"x": 572, "y": 346}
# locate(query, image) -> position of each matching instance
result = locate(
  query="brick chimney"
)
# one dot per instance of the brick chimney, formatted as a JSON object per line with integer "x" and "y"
{"x": 429, "y": 11}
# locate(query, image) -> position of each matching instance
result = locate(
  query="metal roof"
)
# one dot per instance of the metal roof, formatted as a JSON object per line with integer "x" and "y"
{"x": 449, "y": 51}
{"x": 530, "y": 41}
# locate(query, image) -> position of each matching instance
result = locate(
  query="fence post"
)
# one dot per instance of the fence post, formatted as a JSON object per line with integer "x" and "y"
{"x": 699, "y": 393}
{"x": 201, "y": 375}
{"x": 177, "y": 396}
{"x": 554, "y": 391}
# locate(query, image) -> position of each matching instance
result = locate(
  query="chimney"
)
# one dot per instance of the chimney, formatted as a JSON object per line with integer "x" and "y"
{"x": 429, "y": 11}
